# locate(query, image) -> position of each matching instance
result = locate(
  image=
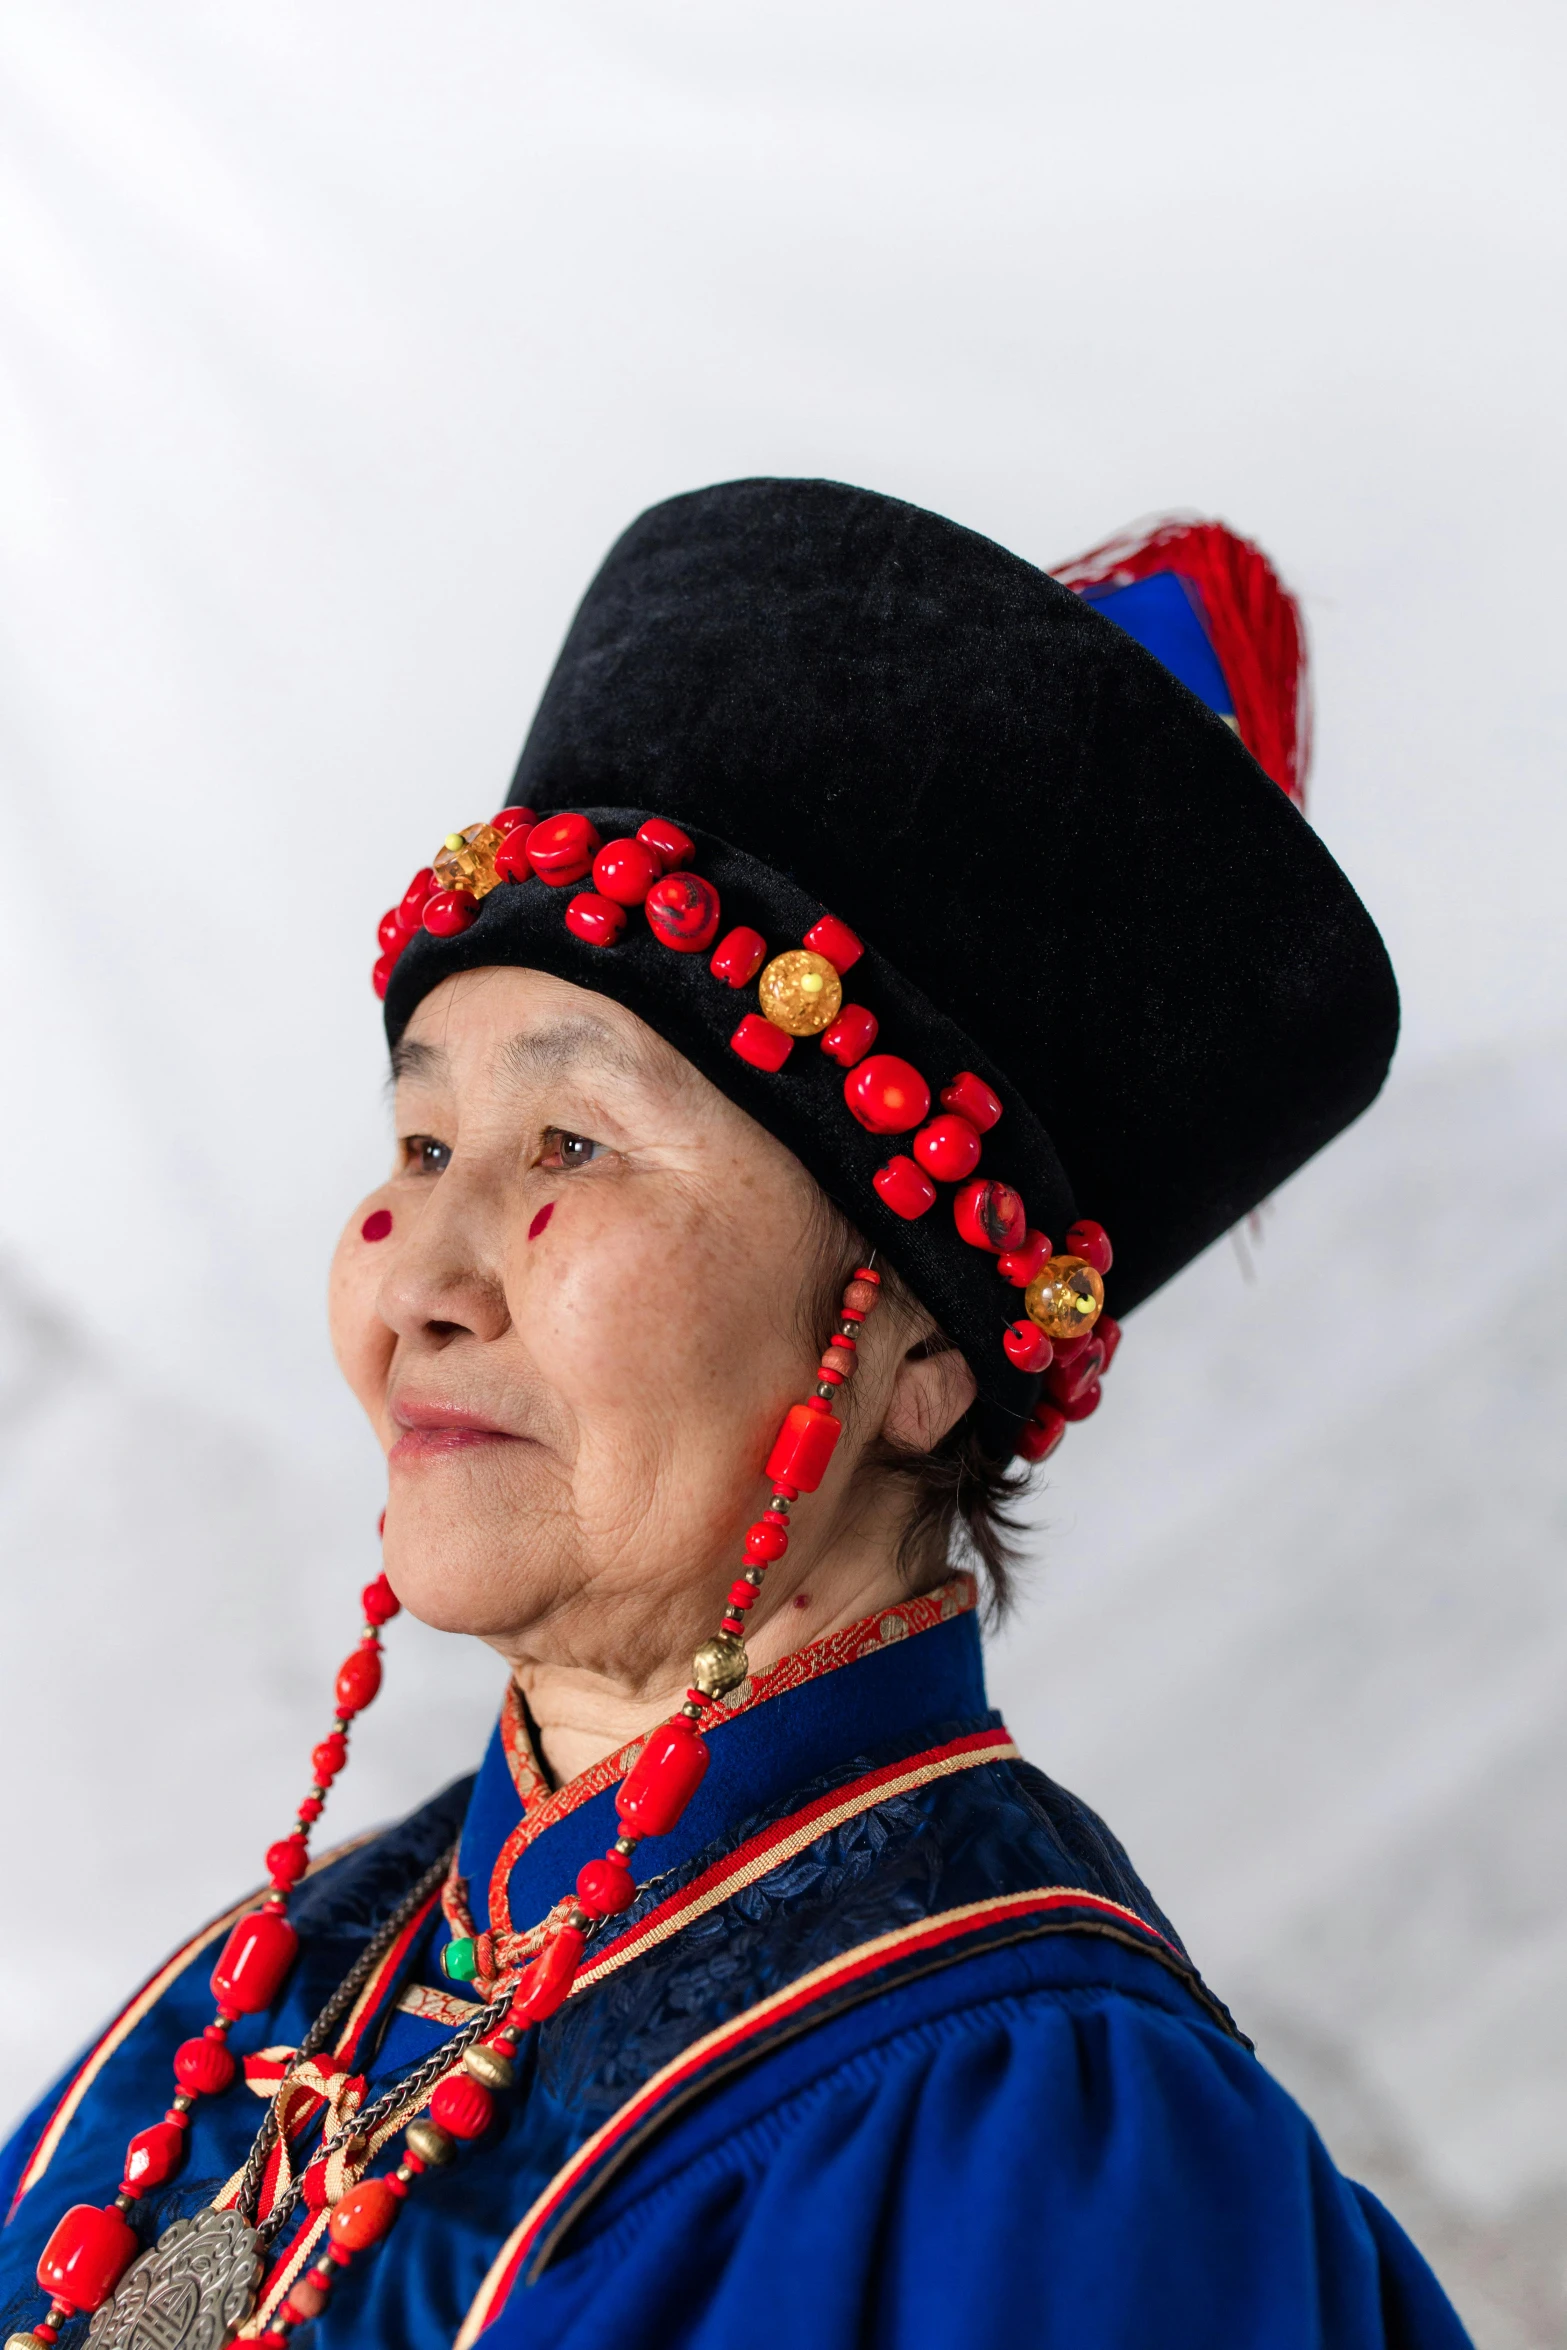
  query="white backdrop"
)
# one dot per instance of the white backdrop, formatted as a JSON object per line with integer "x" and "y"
{"x": 338, "y": 344}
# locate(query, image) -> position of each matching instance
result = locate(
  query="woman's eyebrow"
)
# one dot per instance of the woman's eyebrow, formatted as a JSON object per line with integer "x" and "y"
{"x": 568, "y": 1044}
{"x": 410, "y": 1059}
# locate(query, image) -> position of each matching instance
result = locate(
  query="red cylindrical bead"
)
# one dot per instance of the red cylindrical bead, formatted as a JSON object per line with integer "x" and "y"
{"x": 887, "y": 1095}
{"x": 738, "y": 956}
{"x": 1021, "y": 1265}
{"x": 1108, "y": 1333}
{"x": 512, "y": 820}
{"x": 1091, "y": 1242}
{"x": 204, "y": 2067}
{"x": 851, "y": 1036}
{"x": 410, "y": 912}
{"x": 390, "y": 934}
{"x": 742, "y": 1594}
{"x": 381, "y": 975}
{"x": 764, "y": 1541}
{"x": 1027, "y": 1347}
{"x": 287, "y": 1860}
{"x": 462, "y": 2105}
{"x": 548, "y": 1980}
{"x": 152, "y": 2157}
{"x": 836, "y": 941}
{"x": 829, "y": 1375}
{"x": 948, "y": 1147}
{"x": 1065, "y": 1382}
{"x": 562, "y": 849}
{"x": 358, "y": 1678}
{"x": 605, "y": 1887}
{"x": 327, "y": 1759}
{"x": 1083, "y": 1405}
{"x": 598, "y": 920}
{"x": 803, "y": 1448}
{"x": 668, "y": 843}
{"x": 682, "y": 912}
{"x": 989, "y": 1215}
{"x": 311, "y": 1809}
{"x": 511, "y": 858}
{"x": 663, "y": 1779}
{"x": 379, "y": 1601}
{"x": 625, "y": 870}
{"x": 905, "y": 1188}
{"x": 88, "y": 2253}
{"x": 1038, "y": 1437}
{"x": 365, "y": 2214}
{"x": 756, "y": 1040}
{"x": 972, "y": 1099}
{"x": 449, "y": 912}
{"x": 256, "y": 1957}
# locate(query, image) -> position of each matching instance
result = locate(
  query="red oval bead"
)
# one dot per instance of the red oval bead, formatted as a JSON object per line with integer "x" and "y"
{"x": 287, "y": 1860}
{"x": 663, "y": 1779}
{"x": 379, "y": 1601}
{"x": 668, "y": 843}
{"x": 599, "y": 920}
{"x": 851, "y": 1036}
{"x": 204, "y": 2067}
{"x": 511, "y": 858}
{"x": 88, "y": 2253}
{"x": 1108, "y": 1333}
{"x": 364, "y": 2215}
{"x": 358, "y": 1678}
{"x": 153, "y": 2156}
{"x": 512, "y": 820}
{"x": 450, "y": 912}
{"x": 1067, "y": 1381}
{"x": 562, "y": 849}
{"x": 547, "y": 1981}
{"x": 390, "y": 934}
{"x": 756, "y": 1040}
{"x": 410, "y": 911}
{"x": 462, "y": 2105}
{"x": 381, "y": 975}
{"x": 948, "y": 1148}
{"x": 803, "y": 1448}
{"x": 764, "y": 1542}
{"x": 1021, "y": 1265}
{"x": 1038, "y": 1437}
{"x": 1091, "y": 1242}
{"x": 682, "y": 912}
{"x": 738, "y": 956}
{"x": 255, "y": 1959}
{"x": 907, "y": 1190}
{"x": 972, "y": 1099}
{"x": 887, "y": 1095}
{"x": 327, "y": 1759}
{"x": 1027, "y": 1347}
{"x": 625, "y": 870}
{"x": 1083, "y": 1406}
{"x": 989, "y": 1215}
{"x": 836, "y": 941}
{"x": 605, "y": 1887}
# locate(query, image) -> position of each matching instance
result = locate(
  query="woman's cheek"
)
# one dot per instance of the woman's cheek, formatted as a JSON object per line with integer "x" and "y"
{"x": 361, "y": 1341}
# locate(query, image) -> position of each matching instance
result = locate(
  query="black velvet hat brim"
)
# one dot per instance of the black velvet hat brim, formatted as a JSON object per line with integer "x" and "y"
{"x": 1070, "y": 875}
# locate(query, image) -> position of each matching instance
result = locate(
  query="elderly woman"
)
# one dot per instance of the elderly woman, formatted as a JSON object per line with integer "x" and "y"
{"x": 882, "y": 957}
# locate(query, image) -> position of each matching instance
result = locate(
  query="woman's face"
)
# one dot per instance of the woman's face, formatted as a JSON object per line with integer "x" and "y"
{"x": 577, "y": 1334}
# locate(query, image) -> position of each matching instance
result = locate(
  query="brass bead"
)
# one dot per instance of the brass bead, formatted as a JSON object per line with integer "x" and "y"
{"x": 800, "y": 992}
{"x": 489, "y": 2066}
{"x": 1065, "y": 1297}
{"x": 430, "y": 2142}
{"x": 23, "y": 2342}
{"x": 720, "y": 1664}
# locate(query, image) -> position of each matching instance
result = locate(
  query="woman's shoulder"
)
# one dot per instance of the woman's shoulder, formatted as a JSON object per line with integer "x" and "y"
{"x": 1053, "y": 2135}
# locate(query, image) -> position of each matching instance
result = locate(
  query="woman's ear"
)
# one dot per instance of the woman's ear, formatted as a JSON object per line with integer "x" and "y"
{"x": 930, "y": 1394}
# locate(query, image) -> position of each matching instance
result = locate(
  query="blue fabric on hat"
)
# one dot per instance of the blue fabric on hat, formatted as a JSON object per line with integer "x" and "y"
{"x": 1161, "y": 613}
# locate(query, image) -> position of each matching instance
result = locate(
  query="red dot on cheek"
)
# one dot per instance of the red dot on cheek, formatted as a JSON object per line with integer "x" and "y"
{"x": 802, "y": 1599}
{"x": 540, "y": 1220}
{"x": 376, "y": 1225}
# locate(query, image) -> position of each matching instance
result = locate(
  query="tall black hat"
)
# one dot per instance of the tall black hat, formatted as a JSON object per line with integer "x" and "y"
{"x": 1068, "y": 876}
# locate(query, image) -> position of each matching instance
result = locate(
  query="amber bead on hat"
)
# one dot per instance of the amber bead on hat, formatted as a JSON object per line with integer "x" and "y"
{"x": 800, "y": 992}
{"x": 1065, "y": 1297}
{"x": 466, "y": 860}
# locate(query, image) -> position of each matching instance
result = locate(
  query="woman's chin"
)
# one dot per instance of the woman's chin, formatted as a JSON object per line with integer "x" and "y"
{"x": 451, "y": 1543}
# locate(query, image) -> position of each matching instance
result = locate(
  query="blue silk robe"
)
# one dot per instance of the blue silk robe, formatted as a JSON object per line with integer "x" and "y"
{"x": 895, "y": 2049}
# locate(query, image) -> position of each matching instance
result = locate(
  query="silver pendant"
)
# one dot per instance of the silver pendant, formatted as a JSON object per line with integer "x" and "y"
{"x": 192, "y": 2290}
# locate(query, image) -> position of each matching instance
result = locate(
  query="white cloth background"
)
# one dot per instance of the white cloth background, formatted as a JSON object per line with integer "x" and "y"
{"x": 338, "y": 344}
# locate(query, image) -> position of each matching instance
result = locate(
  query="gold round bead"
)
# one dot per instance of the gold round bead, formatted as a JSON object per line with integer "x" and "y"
{"x": 719, "y": 1665}
{"x": 466, "y": 860}
{"x": 23, "y": 2342}
{"x": 1065, "y": 1297}
{"x": 430, "y": 2142}
{"x": 801, "y": 992}
{"x": 489, "y": 2066}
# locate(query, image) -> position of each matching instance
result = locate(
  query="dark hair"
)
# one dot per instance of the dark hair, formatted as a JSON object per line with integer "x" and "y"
{"x": 959, "y": 1495}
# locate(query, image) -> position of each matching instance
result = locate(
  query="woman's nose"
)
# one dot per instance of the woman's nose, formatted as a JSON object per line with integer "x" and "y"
{"x": 444, "y": 1281}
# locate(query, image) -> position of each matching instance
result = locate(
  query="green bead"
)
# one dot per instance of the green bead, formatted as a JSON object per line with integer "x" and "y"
{"x": 460, "y": 1960}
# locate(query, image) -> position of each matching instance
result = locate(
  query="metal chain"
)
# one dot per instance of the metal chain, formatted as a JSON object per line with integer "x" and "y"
{"x": 337, "y": 2006}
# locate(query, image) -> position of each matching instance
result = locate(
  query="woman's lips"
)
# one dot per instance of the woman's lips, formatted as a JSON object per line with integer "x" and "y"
{"x": 430, "y": 1429}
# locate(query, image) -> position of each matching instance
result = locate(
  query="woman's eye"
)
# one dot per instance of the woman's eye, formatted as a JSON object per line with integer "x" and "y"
{"x": 423, "y": 1155}
{"x": 568, "y": 1150}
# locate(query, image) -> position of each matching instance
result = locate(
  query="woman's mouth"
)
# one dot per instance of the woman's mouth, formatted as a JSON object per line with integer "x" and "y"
{"x": 430, "y": 1429}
